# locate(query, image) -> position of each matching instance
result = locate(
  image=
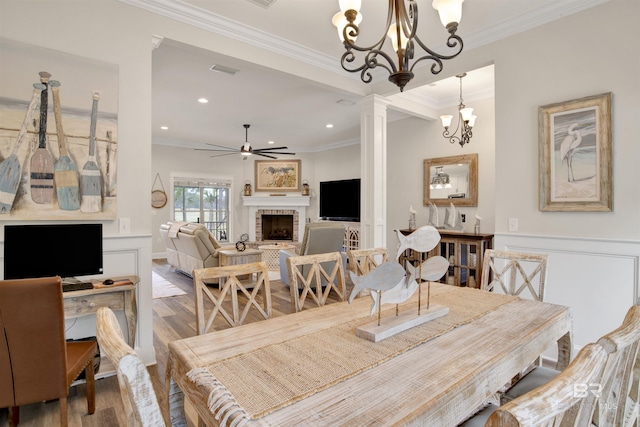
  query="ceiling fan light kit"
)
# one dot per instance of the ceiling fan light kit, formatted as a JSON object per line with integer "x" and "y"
{"x": 246, "y": 150}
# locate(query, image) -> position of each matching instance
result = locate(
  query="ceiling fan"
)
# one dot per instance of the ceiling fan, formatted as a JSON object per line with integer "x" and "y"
{"x": 245, "y": 149}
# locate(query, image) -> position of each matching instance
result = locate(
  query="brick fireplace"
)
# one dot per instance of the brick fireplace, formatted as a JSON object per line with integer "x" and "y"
{"x": 263, "y": 208}
{"x": 277, "y": 224}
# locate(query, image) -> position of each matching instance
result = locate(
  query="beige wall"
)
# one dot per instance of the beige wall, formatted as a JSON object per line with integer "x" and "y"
{"x": 584, "y": 54}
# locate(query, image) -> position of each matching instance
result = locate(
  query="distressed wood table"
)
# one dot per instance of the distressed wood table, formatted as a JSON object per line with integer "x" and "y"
{"x": 119, "y": 296}
{"x": 437, "y": 383}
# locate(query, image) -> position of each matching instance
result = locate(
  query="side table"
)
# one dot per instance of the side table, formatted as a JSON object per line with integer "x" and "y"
{"x": 271, "y": 254}
{"x": 233, "y": 257}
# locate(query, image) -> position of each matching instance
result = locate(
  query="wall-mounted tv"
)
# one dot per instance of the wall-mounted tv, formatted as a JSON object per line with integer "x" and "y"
{"x": 65, "y": 250}
{"x": 340, "y": 200}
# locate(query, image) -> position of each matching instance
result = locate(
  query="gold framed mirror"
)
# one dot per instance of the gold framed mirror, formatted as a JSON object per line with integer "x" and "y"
{"x": 452, "y": 179}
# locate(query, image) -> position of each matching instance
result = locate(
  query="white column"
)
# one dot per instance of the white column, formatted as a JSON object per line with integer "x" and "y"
{"x": 373, "y": 172}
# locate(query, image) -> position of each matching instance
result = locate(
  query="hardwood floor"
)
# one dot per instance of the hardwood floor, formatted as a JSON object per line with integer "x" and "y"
{"x": 173, "y": 319}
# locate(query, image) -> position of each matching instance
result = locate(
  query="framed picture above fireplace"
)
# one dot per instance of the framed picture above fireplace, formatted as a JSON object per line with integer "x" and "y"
{"x": 277, "y": 175}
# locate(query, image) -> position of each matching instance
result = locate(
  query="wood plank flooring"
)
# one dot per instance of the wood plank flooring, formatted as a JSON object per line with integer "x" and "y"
{"x": 173, "y": 319}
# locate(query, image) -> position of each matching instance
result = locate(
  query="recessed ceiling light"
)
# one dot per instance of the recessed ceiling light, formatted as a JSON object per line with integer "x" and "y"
{"x": 203, "y": 100}
{"x": 329, "y": 126}
{"x": 164, "y": 127}
{"x": 222, "y": 69}
{"x": 346, "y": 102}
{"x": 271, "y": 142}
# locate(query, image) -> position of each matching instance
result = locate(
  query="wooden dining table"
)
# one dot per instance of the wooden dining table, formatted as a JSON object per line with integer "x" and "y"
{"x": 437, "y": 382}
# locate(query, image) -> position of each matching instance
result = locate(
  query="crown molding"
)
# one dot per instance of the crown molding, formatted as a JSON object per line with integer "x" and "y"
{"x": 201, "y": 18}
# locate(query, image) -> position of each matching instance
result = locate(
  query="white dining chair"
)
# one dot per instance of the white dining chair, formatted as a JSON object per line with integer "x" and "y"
{"x": 138, "y": 396}
{"x": 559, "y": 402}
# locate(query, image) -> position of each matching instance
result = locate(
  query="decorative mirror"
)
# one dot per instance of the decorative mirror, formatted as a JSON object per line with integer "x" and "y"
{"x": 451, "y": 179}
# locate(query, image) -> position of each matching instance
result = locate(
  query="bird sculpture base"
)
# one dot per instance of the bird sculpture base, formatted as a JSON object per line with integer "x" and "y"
{"x": 390, "y": 326}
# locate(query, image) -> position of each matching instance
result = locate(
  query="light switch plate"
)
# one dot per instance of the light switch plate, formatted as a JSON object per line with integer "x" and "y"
{"x": 125, "y": 225}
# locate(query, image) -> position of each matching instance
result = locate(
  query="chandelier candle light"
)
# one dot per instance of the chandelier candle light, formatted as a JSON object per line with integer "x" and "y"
{"x": 402, "y": 24}
{"x": 466, "y": 120}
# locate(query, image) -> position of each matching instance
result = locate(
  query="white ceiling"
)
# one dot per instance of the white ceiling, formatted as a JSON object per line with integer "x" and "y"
{"x": 293, "y": 111}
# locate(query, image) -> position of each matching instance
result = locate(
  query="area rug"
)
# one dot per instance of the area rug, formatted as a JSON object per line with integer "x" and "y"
{"x": 162, "y": 288}
{"x": 274, "y": 276}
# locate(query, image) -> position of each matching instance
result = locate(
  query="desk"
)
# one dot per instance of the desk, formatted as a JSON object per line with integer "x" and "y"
{"x": 116, "y": 297}
{"x": 437, "y": 383}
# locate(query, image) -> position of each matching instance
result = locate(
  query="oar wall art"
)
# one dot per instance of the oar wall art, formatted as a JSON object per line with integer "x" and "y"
{"x": 65, "y": 171}
{"x": 42, "y": 160}
{"x": 91, "y": 177}
{"x": 10, "y": 168}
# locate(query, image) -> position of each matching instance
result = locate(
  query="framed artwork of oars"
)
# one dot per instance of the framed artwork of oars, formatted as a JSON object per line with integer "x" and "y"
{"x": 58, "y": 151}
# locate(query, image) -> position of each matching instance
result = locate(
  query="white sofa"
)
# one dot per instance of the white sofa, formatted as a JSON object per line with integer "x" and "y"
{"x": 190, "y": 246}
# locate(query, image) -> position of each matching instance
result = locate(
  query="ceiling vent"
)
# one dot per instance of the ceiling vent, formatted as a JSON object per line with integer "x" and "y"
{"x": 222, "y": 69}
{"x": 264, "y": 3}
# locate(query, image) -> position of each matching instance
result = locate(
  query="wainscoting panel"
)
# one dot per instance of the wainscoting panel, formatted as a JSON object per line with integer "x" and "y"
{"x": 123, "y": 255}
{"x": 598, "y": 278}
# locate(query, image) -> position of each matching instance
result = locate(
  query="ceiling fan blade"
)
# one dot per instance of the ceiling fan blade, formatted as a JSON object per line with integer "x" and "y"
{"x": 213, "y": 149}
{"x": 222, "y": 146}
{"x": 288, "y": 154}
{"x": 271, "y": 148}
{"x": 264, "y": 155}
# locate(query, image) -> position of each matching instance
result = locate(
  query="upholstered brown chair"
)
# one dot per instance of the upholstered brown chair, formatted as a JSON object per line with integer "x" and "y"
{"x": 41, "y": 364}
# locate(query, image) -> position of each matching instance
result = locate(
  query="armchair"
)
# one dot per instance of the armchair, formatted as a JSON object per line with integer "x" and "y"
{"x": 319, "y": 238}
{"x": 36, "y": 363}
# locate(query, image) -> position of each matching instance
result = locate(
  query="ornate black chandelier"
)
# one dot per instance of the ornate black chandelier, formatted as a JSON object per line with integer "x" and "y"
{"x": 466, "y": 120}
{"x": 402, "y": 24}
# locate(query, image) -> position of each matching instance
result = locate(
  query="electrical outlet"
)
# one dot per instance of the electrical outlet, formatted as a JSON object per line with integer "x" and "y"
{"x": 464, "y": 217}
{"x": 513, "y": 224}
{"x": 125, "y": 225}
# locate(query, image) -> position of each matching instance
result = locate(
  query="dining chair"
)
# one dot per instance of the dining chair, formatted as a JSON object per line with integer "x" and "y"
{"x": 619, "y": 404}
{"x": 231, "y": 281}
{"x": 315, "y": 276}
{"x": 524, "y": 275}
{"x": 569, "y": 399}
{"x": 621, "y": 378}
{"x": 362, "y": 261}
{"x": 36, "y": 362}
{"x": 138, "y": 396}
{"x": 514, "y": 272}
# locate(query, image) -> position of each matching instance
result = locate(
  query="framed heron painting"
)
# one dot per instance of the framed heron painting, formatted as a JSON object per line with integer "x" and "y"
{"x": 574, "y": 139}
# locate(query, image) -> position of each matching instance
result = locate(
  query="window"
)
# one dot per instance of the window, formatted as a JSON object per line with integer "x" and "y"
{"x": 204, "y": 200}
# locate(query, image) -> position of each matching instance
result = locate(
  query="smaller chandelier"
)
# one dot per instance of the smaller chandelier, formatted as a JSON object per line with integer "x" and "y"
{"x": 466, "y": 120}
{"x": 401, "y": 28}
{"x": 440, "y": 180}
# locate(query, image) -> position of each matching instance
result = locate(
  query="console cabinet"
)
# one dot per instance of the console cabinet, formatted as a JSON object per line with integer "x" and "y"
{"x": 465, "y": 253}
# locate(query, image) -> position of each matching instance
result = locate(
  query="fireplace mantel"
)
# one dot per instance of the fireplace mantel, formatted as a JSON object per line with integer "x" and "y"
{"x": 256, "y": 203}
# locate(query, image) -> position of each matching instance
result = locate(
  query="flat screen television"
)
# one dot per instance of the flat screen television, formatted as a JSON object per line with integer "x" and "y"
{"x": 65, "y": 250}
{"x": 340, "y": 200}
